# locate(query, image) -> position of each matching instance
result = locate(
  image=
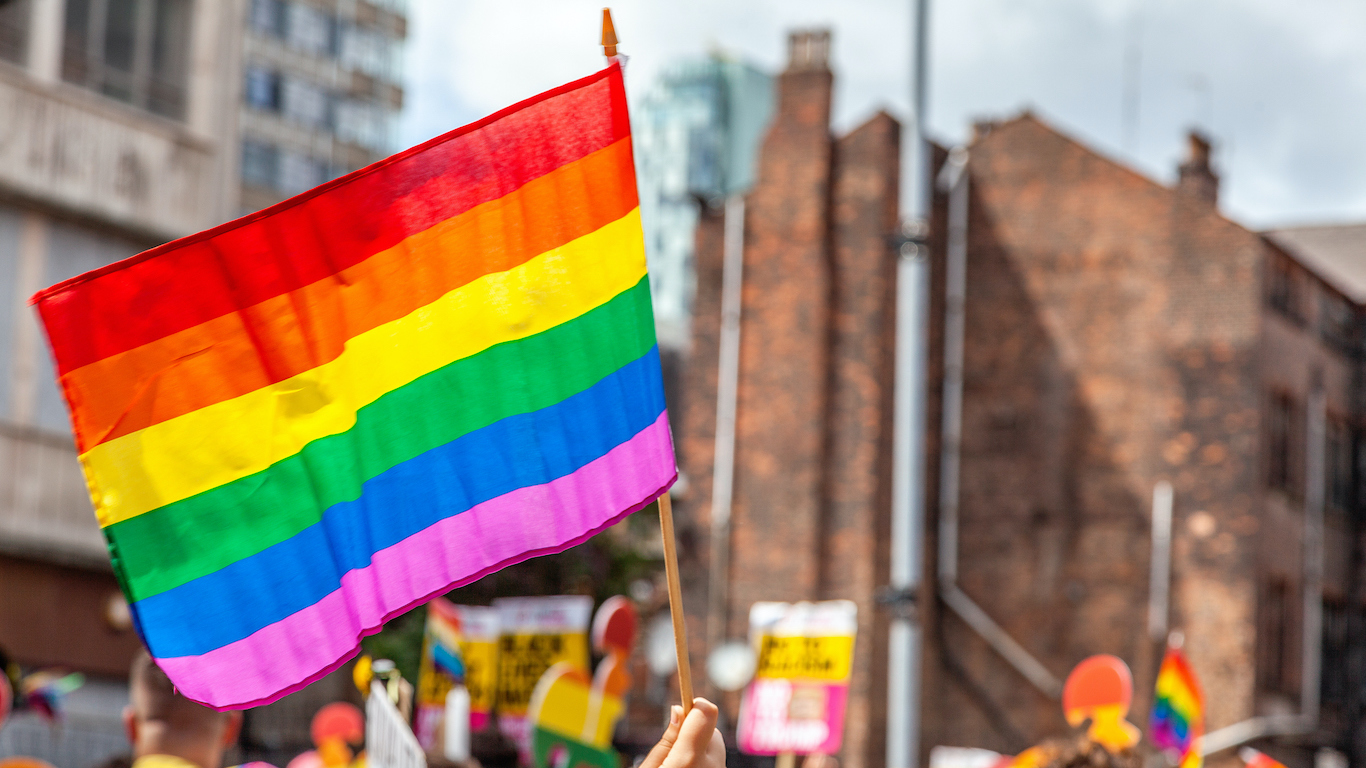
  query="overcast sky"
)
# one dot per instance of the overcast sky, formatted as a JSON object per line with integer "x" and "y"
{"x": 1279, "y": 84}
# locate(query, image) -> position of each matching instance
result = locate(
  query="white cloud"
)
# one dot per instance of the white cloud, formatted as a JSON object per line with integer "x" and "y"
{"x": 1280, "y": 83}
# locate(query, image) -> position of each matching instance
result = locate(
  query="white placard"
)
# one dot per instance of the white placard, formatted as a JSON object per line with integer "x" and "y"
{"x": 389, "y": 742}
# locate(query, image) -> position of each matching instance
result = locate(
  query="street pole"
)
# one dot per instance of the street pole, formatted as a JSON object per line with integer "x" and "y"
{"x": 908, "y": 415}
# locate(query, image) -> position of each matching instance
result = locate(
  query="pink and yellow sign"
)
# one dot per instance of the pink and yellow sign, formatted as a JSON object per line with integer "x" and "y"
{"x": 797, "y": 699}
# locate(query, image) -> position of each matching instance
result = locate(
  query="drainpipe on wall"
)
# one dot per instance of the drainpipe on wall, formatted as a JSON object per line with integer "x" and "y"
{"x": 1311, "y": 662}
{"x": 727, "y": 394}
{"x": 954, "y": 179}
{"x": 1160, "y": 571}
{"x": 908, "y": 416}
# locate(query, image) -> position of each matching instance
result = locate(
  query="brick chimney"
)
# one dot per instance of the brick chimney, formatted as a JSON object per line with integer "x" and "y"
{"x": 1196, "y": 178}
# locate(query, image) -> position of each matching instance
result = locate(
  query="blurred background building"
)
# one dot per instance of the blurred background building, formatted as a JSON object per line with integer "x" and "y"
{"x": 1120, "y": 335}
{"x": 125, "y": 124}
{"x": 321, "y": 92}
{"x": 696, "y": 134}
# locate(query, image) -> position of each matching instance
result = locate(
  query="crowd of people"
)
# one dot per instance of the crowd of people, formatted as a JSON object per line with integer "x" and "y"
{"x": 167, "y": 730}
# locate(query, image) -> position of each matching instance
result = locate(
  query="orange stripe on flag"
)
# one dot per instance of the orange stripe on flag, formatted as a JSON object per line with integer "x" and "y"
{"x": 221, "y": 359}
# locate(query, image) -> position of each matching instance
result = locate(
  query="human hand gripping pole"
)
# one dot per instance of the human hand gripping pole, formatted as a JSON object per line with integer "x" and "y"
{"x": 690, "y": 741}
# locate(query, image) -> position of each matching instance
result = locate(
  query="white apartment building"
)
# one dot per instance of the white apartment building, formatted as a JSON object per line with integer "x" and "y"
{"x": 321, "y": 92}
{"x": 125, "y": 124}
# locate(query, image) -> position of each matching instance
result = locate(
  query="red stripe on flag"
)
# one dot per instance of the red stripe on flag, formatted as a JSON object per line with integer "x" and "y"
{"x": 337, "y": 225}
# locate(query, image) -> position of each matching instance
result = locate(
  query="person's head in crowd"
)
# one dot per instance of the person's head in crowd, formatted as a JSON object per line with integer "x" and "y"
{"x": 162, "y": 723}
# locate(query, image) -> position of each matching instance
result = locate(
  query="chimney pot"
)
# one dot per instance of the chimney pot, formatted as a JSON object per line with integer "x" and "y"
{"x": 1195, "y": 176}
{"x": 808, "y": 49}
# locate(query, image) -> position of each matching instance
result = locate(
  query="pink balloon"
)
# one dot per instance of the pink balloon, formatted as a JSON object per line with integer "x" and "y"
{"x": 6, "y": 697}
{"x": 309, "y": 759}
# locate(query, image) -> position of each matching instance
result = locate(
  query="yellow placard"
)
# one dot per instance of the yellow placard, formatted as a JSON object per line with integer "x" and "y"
{"x": 805, "y": 658}
{"x": 523, "y": 658}
{"x": 432, "y": 686}
{"x": 481, "y": 673}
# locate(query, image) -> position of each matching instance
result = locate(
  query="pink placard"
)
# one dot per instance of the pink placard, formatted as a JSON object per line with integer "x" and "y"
{"x": 779, "y": 715}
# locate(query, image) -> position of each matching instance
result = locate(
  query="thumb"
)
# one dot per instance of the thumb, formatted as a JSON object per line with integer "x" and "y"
{"x": 694, "y": 737}
{"x": 666, "y": 742}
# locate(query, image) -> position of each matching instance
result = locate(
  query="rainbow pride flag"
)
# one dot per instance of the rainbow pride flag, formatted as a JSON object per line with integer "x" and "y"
{"x": 302, "y": 423}
{"x": 1178, "y": 717}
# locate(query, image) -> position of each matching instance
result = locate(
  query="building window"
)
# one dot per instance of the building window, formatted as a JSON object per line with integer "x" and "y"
{"x": 1280, "y": 287}
{"x": 310, "y": 30}
{"x": 363, "y": 124}
{"x": 369, "y": 52}
{"x": 1274, "y": 673}
{"x": 305, "y": 103}
{"x": 131, "y": 50}
{"x": 1334, "y": 690}
{"x": 268, "y": 17}
{"x": 299, "y": 172}
{"x": 1338, "y": 464}
{"x": 1281, "y": 433}
{"x": 14, "y": 15}
{"x": 263, "y": 89}
{"x": 260, "y": 164}
{"x": 1358, "y": 508}
{"x": 1337, "y": 320}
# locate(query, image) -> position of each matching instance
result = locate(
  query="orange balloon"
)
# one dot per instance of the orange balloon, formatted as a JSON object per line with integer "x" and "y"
{"x": 338, "y": 720}
{"x": 1100, "y": 689}
{"x": 1099, "y": 681}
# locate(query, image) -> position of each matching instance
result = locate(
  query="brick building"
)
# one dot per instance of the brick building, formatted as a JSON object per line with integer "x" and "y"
{"x": 814, "y": 382}
{"x": 1120, "y": 335}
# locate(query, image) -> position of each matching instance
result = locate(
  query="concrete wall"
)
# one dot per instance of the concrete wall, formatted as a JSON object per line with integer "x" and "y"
{"x": 75, "y": 151}
{"x": 86, "y": 181}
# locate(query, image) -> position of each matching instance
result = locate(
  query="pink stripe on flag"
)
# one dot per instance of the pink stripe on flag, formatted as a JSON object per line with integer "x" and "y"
{"x": 516, "y": 526}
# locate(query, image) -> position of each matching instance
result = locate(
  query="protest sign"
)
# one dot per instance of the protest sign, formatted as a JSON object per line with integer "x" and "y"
{"x": 479, "y": 648}
{"x": 388, "y": 741}
{"x": 535, "y": 634}
{"x": 573, "y": 716}
{"x": 441, "y": 668}
{"x": 797, "y": 699}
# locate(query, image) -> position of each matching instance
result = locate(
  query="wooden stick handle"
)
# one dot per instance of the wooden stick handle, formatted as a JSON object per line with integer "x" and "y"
{"x": 666, "y": 528}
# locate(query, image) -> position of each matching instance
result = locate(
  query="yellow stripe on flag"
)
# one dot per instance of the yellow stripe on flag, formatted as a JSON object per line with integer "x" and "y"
{"x": 226, "y": 441}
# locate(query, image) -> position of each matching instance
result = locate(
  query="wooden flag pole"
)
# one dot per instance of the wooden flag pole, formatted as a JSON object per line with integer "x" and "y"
{"x": 666, "y": 529}
{"x": 666, "y": 514}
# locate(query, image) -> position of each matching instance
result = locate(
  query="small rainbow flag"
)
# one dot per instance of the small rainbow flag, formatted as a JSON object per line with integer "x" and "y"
{"x": 302, "y": 423}
{"x": 1178, "y": 718}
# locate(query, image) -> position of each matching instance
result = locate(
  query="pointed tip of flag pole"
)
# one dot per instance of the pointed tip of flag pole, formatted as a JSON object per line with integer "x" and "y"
{"x": 609, "y": 34}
